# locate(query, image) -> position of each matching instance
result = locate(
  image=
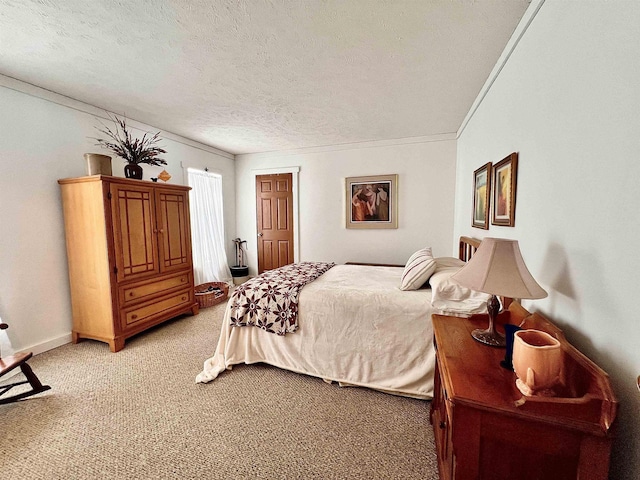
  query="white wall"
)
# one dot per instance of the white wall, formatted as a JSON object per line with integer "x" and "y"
{"x": 43, "y": 137}
{"x": 426, "y": 190}
{"x": 568, "y": 101}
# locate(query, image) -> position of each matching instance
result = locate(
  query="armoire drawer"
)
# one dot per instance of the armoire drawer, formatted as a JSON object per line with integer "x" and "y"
{"x": 140, "y": 291}
{"x": 148, "y": 311}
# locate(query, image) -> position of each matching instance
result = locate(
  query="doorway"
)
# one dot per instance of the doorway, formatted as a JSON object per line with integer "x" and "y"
{"x": 274, "y": 218}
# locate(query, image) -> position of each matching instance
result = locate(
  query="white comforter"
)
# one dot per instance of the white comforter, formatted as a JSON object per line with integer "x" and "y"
{"x": 356, "y": 327}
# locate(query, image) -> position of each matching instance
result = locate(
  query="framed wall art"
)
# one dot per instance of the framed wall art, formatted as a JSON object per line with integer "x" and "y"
{"x": 372, "y": 202}
{"x": 481, "y": 196}
{"x": 505, "y": 175}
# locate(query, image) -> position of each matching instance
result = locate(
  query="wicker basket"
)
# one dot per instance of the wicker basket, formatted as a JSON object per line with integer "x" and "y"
{"x": 212, "y": 293}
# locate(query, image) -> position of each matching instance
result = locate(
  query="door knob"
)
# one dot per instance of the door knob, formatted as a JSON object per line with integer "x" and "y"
{"x": 260, "y": 234}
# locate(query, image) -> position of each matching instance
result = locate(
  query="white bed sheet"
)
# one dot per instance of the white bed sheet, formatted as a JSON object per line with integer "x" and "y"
{"x": 356, "y": 327}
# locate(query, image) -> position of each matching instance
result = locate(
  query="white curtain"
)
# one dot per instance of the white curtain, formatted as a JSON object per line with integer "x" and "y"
{"x": 207, "y": 227}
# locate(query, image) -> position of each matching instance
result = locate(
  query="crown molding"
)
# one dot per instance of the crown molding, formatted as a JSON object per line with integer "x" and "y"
{"x": 351, "y": 146}
{"x": 53, "y": 97}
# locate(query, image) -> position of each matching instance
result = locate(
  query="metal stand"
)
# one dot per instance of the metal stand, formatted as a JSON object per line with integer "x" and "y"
{"x": 239, "y": 270}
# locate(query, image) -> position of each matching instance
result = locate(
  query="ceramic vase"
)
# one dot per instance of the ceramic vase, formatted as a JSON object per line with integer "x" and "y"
{"x": 537, "y": 361}
{"x": 133, "y": 170}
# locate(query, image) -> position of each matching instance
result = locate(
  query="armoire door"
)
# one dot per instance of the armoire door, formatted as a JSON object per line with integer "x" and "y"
{"x": 172, "y": 216}
{"x": 134, "y": 231}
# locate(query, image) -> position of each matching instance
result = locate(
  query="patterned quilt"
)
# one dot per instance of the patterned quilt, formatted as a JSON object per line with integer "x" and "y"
{"x": 270, "y": 300}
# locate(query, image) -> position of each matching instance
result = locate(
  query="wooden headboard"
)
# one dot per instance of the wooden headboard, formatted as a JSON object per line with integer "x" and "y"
{"x": 467, "y": 247}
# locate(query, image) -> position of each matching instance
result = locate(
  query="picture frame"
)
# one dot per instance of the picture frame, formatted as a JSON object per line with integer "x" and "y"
{"x": 505, "y": 176}
{"x": 481, "y": 196}
{"x": 372, "y": 201}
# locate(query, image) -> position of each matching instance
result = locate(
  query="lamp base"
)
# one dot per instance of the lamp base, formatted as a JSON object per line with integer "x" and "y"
{"x": 489, "y": 337}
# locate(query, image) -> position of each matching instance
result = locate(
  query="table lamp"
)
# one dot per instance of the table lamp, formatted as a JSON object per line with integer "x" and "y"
{"x": 497, "y": 268}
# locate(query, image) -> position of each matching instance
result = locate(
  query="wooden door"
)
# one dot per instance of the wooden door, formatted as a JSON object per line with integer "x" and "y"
{"x": 172, "y": 217}
{"x": 274, "y": 198}
{"x": 134, "y": 231}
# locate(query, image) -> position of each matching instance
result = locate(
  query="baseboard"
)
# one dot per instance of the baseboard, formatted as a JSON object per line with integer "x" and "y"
{"x": 49, "y": 344}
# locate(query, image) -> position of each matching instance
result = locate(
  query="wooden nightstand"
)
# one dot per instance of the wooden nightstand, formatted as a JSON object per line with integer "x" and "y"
{"x": 485, "y": 429}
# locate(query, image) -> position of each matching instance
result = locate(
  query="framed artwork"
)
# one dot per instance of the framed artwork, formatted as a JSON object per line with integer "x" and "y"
{"x": 372, "y": 202}
{"x": 505, "y": 174}
{"x": 481, "y": 196}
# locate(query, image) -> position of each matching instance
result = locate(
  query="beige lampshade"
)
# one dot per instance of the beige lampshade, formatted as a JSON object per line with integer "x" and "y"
{"x": 497, "y": 267}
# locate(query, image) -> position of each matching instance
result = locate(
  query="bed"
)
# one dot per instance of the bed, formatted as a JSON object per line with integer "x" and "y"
{"x": 356, "y": 327}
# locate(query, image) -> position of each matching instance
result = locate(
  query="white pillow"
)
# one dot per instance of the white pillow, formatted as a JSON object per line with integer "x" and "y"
{"x": 448, "y": 262}
{"x": 451, "y": 298}
{"x": 418, "y": 269}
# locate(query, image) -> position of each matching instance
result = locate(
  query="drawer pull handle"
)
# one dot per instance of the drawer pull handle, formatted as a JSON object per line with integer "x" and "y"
{"x": 134, "y": 316}
{"x": 132, "y": 294}
{"x": 183, "y": 279}
{"x": 184, "y": 298}
{"x": 443, "y": 425}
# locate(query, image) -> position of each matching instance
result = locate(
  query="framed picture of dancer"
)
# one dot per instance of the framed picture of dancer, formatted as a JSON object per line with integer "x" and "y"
{"x": 372, "y": 202}
{"x": 505, "y": 175}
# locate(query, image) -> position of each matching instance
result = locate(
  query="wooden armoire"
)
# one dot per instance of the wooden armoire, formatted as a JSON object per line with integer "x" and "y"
{"x": 129, "y": 255}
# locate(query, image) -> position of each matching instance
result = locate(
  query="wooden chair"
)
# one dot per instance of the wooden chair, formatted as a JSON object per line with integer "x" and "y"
{"x": 19, "y": 360}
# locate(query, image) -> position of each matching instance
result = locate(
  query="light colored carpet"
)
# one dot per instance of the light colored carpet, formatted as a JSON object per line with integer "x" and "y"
{"x": 137, "y": 414}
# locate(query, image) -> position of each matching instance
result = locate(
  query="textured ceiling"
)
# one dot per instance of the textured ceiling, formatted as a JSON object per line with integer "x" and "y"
{"x": 264, "y": 75}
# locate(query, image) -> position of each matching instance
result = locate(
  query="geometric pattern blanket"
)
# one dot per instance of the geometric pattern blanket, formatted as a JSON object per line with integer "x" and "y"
{"x": 270, "y": 300}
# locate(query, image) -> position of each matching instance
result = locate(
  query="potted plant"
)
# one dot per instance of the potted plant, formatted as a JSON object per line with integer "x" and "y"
{"x": 133, "y": 150}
